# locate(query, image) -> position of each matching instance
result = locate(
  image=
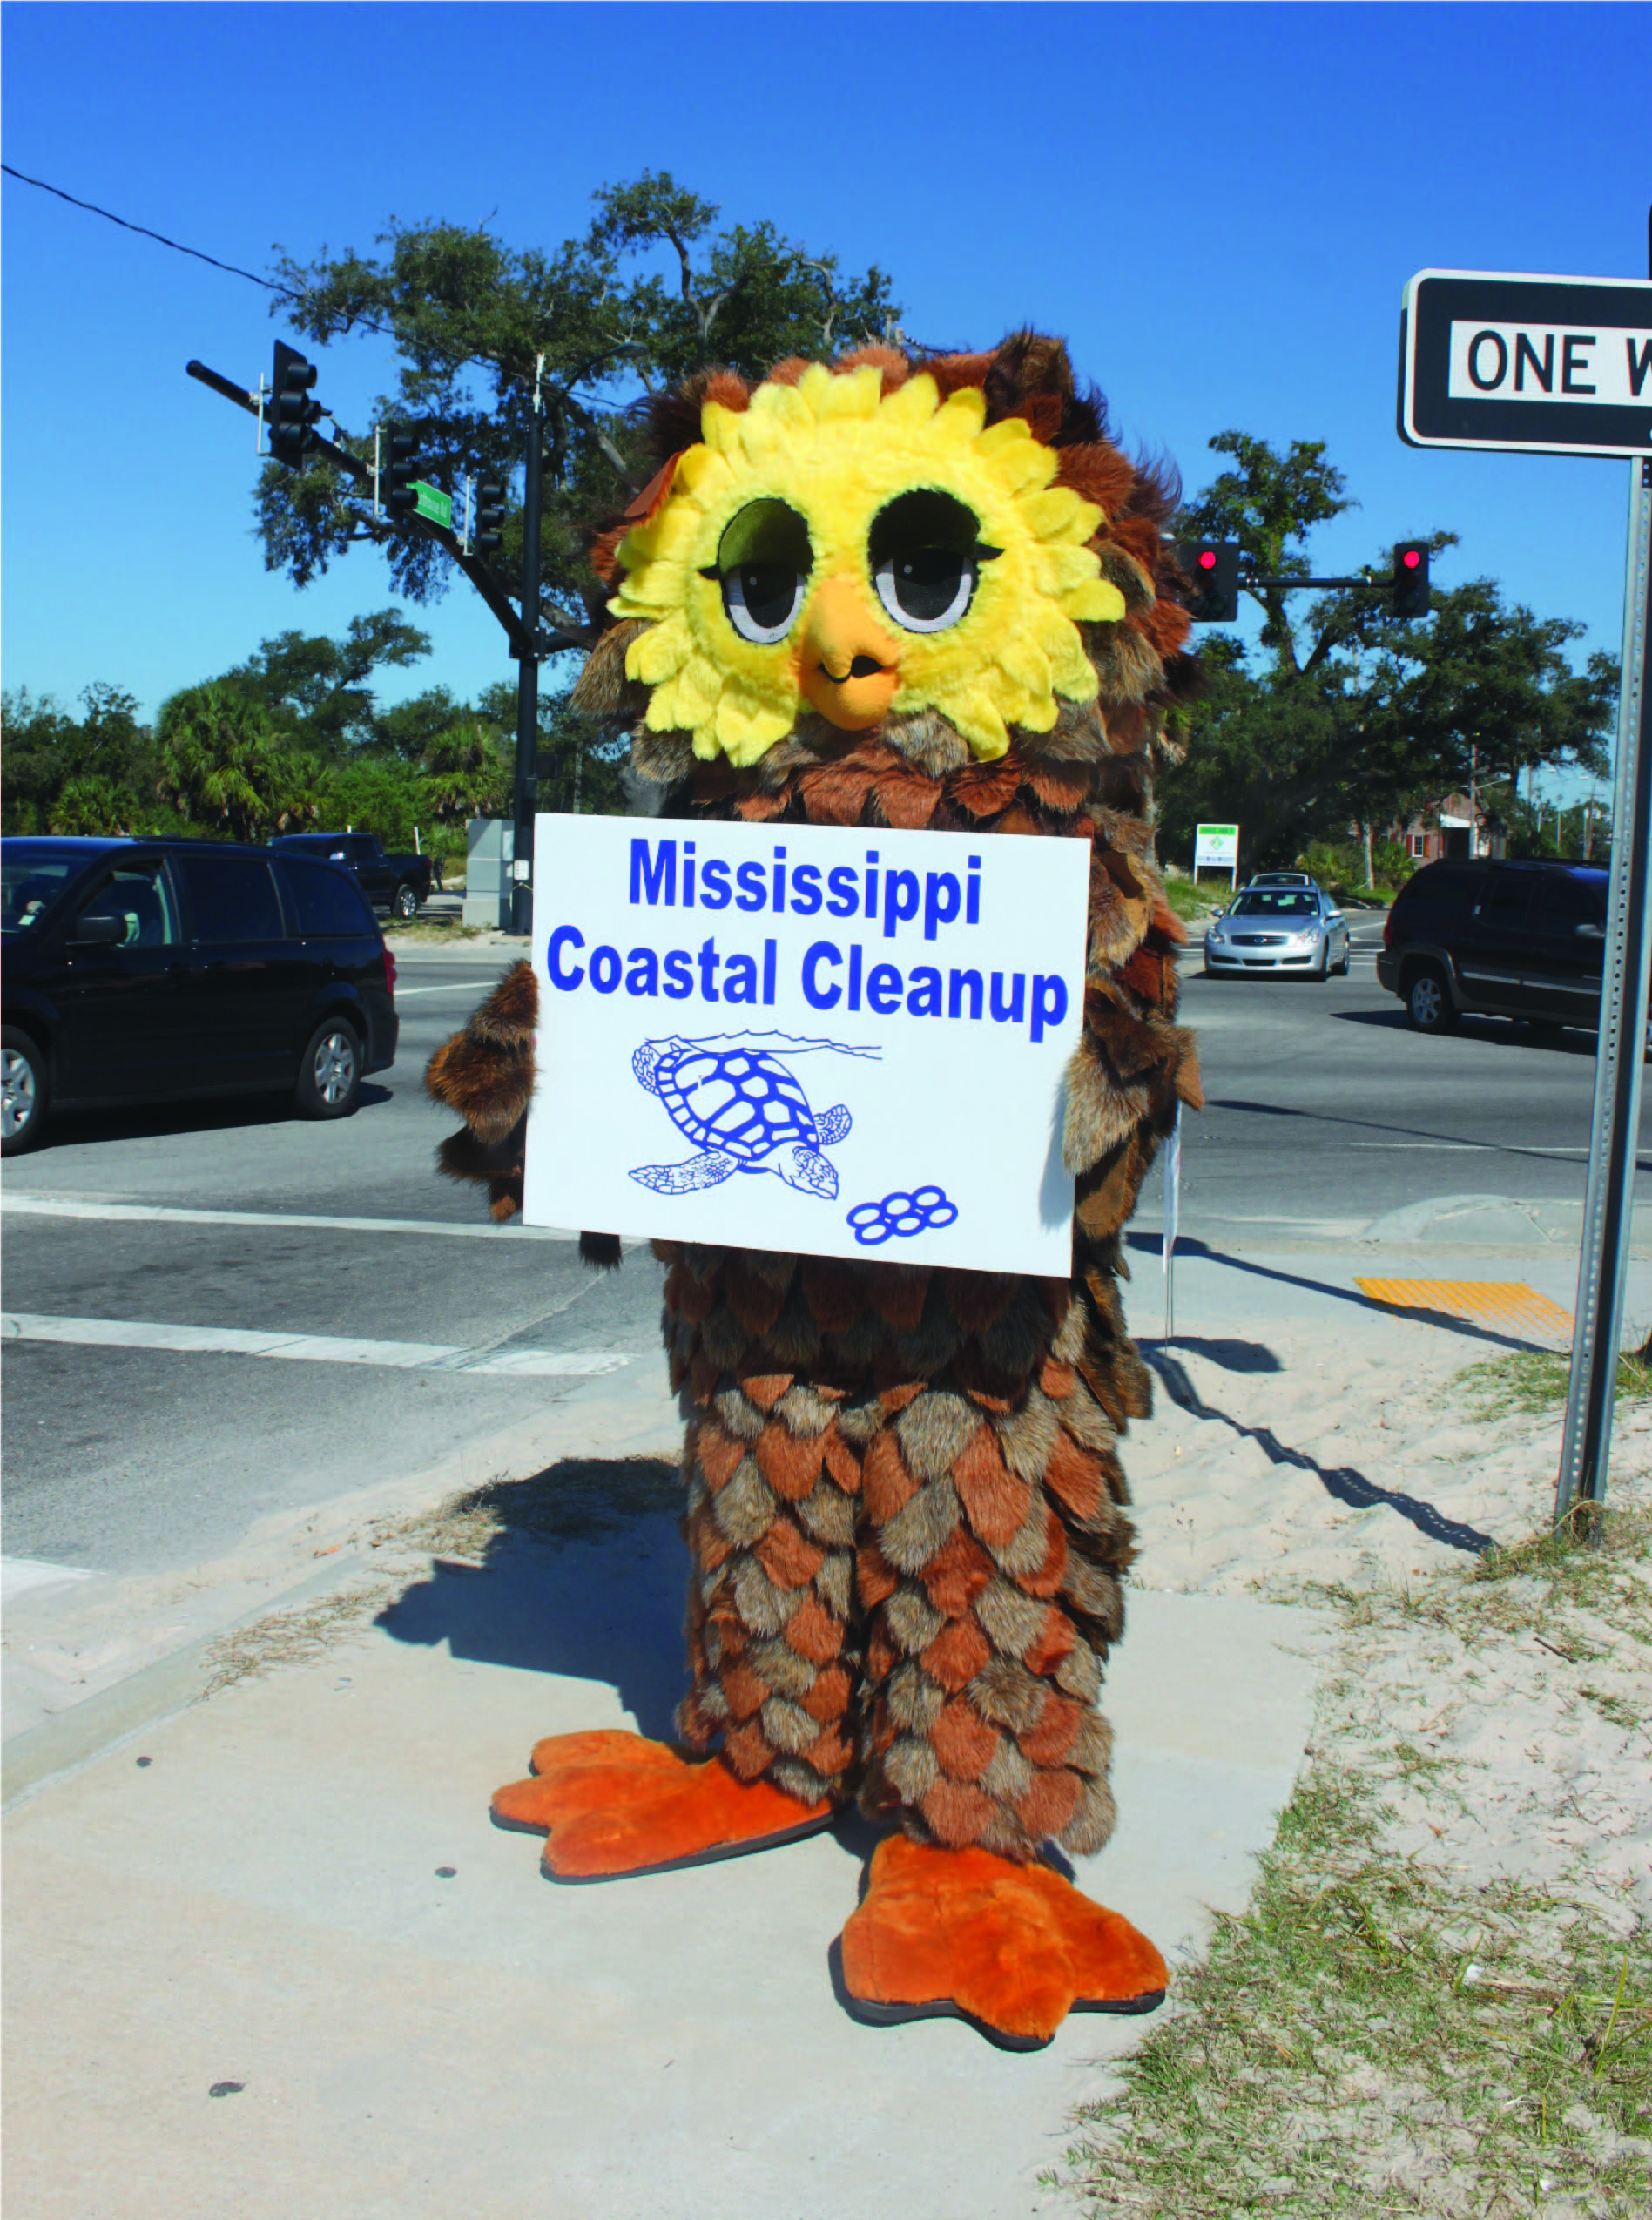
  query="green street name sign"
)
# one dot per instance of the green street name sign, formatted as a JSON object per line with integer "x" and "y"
{"x": 427, "y": 501}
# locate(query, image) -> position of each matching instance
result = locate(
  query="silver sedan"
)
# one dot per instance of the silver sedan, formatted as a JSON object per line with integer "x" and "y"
{"x": 1278, "y": 929}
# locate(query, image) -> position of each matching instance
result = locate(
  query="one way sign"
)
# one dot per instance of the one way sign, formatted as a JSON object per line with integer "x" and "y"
{"x": 1554, "y": 366}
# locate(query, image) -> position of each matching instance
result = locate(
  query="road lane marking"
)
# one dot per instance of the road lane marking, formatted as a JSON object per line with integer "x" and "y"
{"x": 459, "y": 987}
{"x": 308, "y": 1348}
{"x": 168, "y": 1214}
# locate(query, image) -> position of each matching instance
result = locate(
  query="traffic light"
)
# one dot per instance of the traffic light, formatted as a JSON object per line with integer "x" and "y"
{"x": 490, "y": 516}
{"x": 1410, "y": 579}
{"x": 291, "y": 411}
{"x": 1212, "y": 567}
{"x": 399, "y": 470}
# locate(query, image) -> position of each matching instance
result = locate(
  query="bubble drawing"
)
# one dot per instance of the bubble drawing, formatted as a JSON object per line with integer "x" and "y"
{"x": 898, "y": 1217}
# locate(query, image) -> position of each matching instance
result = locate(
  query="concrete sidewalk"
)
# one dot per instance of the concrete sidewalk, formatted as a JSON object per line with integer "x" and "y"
{"x": 267, "y": 1956}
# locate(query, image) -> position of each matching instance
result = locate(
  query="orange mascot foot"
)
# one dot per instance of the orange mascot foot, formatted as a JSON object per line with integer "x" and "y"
{"x": 611, "y": 1803}
{"x": 963, "y": 1934}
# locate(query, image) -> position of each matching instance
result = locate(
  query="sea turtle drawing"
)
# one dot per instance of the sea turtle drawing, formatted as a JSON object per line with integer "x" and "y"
{"x": 742, "y": 1111}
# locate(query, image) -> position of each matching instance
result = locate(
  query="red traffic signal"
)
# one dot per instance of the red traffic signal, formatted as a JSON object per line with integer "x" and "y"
{"x": 1410, "y": 579}
{"x": 1211, "y": 568}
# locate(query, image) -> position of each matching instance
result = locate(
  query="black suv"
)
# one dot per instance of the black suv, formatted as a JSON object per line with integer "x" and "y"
{"x": 1513, "y": 940}
{"x": 148, "y": 970}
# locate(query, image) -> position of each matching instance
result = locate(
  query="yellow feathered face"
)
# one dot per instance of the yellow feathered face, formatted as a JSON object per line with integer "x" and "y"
{"x": 859, "y": 553}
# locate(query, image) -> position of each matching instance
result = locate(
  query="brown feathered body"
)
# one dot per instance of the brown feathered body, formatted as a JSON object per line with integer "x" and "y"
{"x": 905, "y": 1503}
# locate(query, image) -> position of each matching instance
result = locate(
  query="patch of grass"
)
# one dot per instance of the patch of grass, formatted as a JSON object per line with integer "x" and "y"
{"x": 1363, "y": 2038}
{"x": 1532, "y": 1383}
{"x": 1375, "y": 2033}
{"x": 1190, "y": 903}
{"x": 1568, "y": 1591}
{"x": 432, "y": 929}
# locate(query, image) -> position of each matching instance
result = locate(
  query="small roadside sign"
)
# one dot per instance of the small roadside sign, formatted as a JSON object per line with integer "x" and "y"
{"x": 1216, "y": 847}
{"x": 428, "y": 502}
{"x": 1527, "y": 365}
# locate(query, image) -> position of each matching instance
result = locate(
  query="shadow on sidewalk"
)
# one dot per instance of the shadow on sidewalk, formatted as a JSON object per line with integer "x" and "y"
{"x": 579, "y": 1571}
{"x": 1341, "y": 1482}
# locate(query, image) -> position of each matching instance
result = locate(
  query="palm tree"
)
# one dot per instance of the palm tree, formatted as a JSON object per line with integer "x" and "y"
{"x": 223, "y": 765}
{"x": 465, "y": 773}
{"x": 91, "y": 803}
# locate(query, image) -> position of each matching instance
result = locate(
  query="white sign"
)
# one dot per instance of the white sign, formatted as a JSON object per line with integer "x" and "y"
{"x": 1494, "y": 359}
{"x": 1545, "y": 362}
{"x": 1216, "y": 846}
{"x": 798, "y": 1038}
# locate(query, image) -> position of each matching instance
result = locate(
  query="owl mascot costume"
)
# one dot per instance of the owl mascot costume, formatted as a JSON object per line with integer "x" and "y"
{"x": 928, "y": 595}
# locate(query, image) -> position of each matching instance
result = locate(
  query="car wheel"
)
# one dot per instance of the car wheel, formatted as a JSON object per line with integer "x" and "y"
{"x": 1428, "y": 1002}
{"x": 330, "y": 1070}
{"x": 27, "y": 1080}
{"x": 405, "y": 901}
{"x": 1347, "y": 959}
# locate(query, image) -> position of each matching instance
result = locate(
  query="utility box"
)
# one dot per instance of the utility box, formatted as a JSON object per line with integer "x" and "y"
{"x": 490, "y": 845}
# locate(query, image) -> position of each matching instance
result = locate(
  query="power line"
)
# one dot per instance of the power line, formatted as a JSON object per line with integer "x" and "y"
{"x": 233, "y": 270}
{"x": 144, "y": 231}
{"x": 286, "y": 292}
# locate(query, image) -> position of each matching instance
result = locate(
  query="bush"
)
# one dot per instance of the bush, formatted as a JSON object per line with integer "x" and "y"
{"x": 1393, "y": 862}
{"x": 1339, "y": 867}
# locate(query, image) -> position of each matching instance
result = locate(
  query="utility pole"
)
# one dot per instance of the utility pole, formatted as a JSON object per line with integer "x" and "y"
{"x": 527, "y": 791}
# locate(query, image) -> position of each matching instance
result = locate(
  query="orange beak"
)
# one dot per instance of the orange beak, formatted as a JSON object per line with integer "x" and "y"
{"x": 848, "y": 666}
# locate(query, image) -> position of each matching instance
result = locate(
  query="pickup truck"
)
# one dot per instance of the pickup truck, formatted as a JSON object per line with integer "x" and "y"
{"x": 398, "y": 883}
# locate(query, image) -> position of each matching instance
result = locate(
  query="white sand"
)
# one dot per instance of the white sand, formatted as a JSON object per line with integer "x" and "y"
{"x": 1550, "y": 1754}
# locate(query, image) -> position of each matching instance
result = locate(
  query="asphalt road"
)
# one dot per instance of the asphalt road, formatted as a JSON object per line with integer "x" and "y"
{"x": 1324, "y": 1113}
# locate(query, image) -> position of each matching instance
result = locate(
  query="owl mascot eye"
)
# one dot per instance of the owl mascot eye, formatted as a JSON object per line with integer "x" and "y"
{"x": 914, "y": 593}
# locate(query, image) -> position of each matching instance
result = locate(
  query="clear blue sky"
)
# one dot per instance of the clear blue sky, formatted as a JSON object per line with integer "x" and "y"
{"x": 1218, "y": 207}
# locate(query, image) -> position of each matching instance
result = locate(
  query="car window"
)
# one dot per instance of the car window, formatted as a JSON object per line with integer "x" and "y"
{"x": 1277, "y": 901}
{"x": 141, "y": 898}
{"x": 231, "y": 897}
{"x": 360, "y": 849}
{"x": 1505, "y": 899}
{"x": 29, "y": 884}
{"x": 1563, "y": 904}
{"x": 328, "y": 906}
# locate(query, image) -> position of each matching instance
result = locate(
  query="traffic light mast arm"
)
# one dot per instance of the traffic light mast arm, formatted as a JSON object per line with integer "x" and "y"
{"x": 551, "y": 639}
{"x": 1371, "y": 585}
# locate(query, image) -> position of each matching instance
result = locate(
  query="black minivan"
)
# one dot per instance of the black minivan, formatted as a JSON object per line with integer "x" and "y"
{"x": 151, "y": 971}
{"x": 1513, "y": 940}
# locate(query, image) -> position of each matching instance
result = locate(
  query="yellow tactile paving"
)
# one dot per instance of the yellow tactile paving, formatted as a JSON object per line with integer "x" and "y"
{"x": 1508, "y": 1306}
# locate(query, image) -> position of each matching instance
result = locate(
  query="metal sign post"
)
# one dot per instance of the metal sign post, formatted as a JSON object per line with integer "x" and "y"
{"x": 526, "y": 786}
{"x": 1586, "y": 1444}
{"x": 1172, "y": 1219}
{"x": 1563, "y": 366}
